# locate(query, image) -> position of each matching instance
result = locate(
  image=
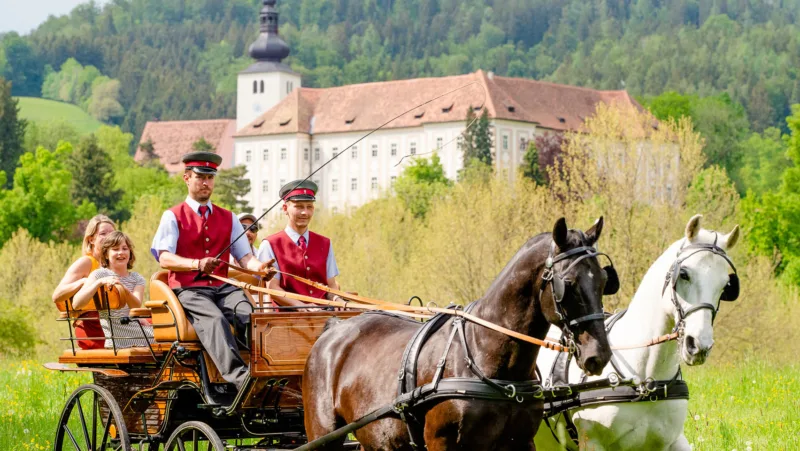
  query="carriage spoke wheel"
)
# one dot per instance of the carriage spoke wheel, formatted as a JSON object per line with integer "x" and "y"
{"x": 194, "y": 436}
{"x": 91, "y": 421}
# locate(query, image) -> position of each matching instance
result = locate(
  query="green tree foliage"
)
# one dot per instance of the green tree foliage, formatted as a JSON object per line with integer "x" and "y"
{"x": 476, "y": 142}
{"x": 12, "y": 133}
{"x": 421, "y": 183}
{"x": 93, "y": 178}
{"x": 531, "y": 167}
{"x": 17, "y": 334}
{"x": 773, "y": 216}
{"x": 230, "y": 187}
{"x": 49, "y": 134}
{"x": 764, "y": 160}
{"x": 85, "y": 87}
{"x": 21, "y": 64}
{"x": 40, "y": 199}
{"x": 201, "y": 145}
{"x": 719, "y": 120}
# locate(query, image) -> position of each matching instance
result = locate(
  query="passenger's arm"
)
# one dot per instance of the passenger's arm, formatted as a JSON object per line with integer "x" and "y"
{"x": 132, "y": 299}
{"x": 250, "y": 262}
{"x": 275, "y": 284}
{"x": 85, "y": 294}
{"x": 73, "y": 280}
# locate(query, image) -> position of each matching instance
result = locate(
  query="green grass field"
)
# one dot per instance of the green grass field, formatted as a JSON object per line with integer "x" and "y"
{"x": 43, "y": 110}
{"x": 752, "y": 406}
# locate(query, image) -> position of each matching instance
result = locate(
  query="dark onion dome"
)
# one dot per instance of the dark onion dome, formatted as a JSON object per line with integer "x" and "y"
{"x": 269, "y": 46}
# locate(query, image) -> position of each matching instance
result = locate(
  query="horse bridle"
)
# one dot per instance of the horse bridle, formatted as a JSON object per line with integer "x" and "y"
{"x": 729, "y": 293}
{"x": 558, "y": 287}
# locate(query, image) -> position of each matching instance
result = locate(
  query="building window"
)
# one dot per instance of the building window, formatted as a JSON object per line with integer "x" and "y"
{"x": 374, "y": 185}
{"x": 354, "y": 152}
{"x": 505, "y": 142}
{"x": 335, "y": 185}
{"x": 305, "y": 154}
{"x": 264, "y": 186}
{"x": 248, "y": 156}
{"x": 460, "y": 141}
{"x": 412, "y": 148}
{"x": 255, "y": 87}
{"x": 374, "y": 150}
{"x": 262, "y": 86}
{"x": 289, "y": 87}
{"x": 335, "y": 152}
{"x": 353, "y": 184}
{"x": 316, "y": 154}
{"x": 392, "y": 180}
{"x": 265, "y": 154}
{"x": 394, "y": 149}
{"x": 439, "y": 142}
{"x": 283, "y": 153}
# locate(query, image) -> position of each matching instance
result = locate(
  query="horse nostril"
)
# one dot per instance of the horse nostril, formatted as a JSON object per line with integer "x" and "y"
{"x": 691, "y": 345}
{"x": 593, "y": 365}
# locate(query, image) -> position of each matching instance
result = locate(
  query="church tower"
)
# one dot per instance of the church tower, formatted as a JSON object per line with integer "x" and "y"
{"x": 267, "y": 81}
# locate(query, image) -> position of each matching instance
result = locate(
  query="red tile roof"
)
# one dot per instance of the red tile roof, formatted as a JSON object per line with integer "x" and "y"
{"x": 366, "y": 106}
{"x": 173, "y": 139}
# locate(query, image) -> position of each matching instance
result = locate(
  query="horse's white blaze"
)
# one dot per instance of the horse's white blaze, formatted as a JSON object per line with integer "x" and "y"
{"x": 650, "y": 425}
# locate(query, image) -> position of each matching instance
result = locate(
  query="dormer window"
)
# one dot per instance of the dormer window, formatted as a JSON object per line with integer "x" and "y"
{"x": 562, "y": 120}
{"x": 350, "y": 121}
{"x": 447, "y": 109}
{"x": 419, "y": 115}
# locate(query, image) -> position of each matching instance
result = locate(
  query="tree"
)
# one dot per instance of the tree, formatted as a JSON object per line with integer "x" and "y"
{"x": 12, "y": 133}
{"x": 476, "y": 145}
{"x": 230, "y": 188}
{"x": 201, "y": 145}
{"x": 421, "y": 183}
{"x": 531, "y": 168}
{"x": 764, "y": 161}
{"x": 22, "y": 66}
{"x": 48, "y": 134}
{"x": 93, "y": 178}
{"x": 40, "y": 199}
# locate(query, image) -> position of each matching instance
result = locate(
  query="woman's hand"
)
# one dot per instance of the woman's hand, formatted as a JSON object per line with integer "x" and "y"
{"x": 109, "y": 282}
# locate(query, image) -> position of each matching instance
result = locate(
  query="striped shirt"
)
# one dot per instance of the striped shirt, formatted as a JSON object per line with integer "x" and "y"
{"x": 131, "y": 329}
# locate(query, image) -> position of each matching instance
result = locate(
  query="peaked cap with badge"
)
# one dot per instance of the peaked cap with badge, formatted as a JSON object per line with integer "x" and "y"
{"x": 299, "y": 190}
{"x": 202, "y": 162}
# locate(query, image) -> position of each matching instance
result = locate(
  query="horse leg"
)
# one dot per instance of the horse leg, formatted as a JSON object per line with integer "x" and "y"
{"x": 681, "y": 444}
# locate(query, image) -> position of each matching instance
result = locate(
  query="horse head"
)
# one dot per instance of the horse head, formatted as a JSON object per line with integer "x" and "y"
{"x": 701, "y": 276}
{"x": 571, "y": 290}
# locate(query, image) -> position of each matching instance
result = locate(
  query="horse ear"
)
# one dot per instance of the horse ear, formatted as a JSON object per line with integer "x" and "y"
{"x": 560, "y": 233}
{"x": 732, "y": 238}
{"x": 693, "y": 227}
{"x": 593, "y": 234}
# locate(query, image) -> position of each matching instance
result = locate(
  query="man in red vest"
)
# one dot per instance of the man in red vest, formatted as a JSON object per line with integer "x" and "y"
{"x": 189, "y": 238}
{"x": 297, "y": 250}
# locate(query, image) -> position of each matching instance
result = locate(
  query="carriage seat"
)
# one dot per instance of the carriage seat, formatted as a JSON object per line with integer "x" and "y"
{"x": 167, "y": 312}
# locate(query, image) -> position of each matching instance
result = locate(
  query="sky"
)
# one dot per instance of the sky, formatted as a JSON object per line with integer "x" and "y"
{"x": 23, "y": 16}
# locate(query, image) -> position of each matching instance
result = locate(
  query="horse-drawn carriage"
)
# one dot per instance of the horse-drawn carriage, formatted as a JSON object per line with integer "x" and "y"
{"x": 169, "y": 395}
{"x": 454, "y": 370}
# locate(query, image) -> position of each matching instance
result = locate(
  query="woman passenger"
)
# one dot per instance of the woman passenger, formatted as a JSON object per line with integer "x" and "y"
{"x": 117, "y": 258}
{"x": 87, "y": 326}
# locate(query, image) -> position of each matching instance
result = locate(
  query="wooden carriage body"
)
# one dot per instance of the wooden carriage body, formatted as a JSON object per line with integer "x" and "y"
{"x": 172, "y": 381}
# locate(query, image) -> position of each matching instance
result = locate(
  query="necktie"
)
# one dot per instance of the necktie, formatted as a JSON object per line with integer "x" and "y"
{"x": 203, "y": 209}
{"x": 302, "y": 243}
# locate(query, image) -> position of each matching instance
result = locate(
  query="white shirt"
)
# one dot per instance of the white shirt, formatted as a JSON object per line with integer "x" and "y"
{"x": 166, "y": 238}
{"x": 265, "y": 253}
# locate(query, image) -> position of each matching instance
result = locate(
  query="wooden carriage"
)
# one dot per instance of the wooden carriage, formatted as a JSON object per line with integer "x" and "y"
{"x": 169, "y": 394}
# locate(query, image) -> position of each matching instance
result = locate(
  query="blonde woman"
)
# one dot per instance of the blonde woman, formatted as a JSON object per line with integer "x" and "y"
{"x": 87, "y": 326}
{"x": 117, "y": 258}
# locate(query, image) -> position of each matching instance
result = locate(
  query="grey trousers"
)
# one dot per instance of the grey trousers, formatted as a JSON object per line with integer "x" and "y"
{"x": 211, "y": 312}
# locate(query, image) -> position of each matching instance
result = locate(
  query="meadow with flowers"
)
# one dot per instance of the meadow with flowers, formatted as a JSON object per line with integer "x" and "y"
{"x": 748, "y": 406}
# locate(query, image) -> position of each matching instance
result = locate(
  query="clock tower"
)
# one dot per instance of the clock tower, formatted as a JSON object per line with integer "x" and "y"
{"x": 267, "y": 81}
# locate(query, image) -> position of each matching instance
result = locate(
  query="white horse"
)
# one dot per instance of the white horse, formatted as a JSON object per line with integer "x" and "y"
{"x": 702, "y": 275}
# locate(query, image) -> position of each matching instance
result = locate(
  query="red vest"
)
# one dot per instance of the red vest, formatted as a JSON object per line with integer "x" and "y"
{"x": 198, "y": 242}
{"x": 311, "y": 265}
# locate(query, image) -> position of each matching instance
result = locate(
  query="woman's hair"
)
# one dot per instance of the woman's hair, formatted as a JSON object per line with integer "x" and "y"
{"x": 91, "y": 230}
{"x": 113, "y": 240}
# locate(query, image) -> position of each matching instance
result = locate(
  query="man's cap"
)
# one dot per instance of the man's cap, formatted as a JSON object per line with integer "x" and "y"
{"x": 202, "y": 162}
{"x": 299, "y": 190}
{"x": 251, "y": 217}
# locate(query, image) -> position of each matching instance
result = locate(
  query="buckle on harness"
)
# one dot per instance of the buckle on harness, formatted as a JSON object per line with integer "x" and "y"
{"x": 613, "y": 380}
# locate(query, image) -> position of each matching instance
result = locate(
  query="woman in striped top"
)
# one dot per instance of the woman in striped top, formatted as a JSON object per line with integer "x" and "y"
{"x": 117, "y": 259}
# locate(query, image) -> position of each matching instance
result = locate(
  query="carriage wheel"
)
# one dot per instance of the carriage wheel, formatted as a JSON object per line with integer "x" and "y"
{"x": 194, "y": 436}
{"x": 91, "y": 421}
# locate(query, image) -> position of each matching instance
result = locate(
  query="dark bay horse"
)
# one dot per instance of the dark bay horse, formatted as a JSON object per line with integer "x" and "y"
{"x": 353, "y": 367}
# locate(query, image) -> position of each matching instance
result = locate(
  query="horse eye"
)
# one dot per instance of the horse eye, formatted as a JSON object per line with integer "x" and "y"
{"x": 684, "y": 275}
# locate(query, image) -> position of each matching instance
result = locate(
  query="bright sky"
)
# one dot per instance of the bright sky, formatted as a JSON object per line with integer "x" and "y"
{"x": 23, "y": 16}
